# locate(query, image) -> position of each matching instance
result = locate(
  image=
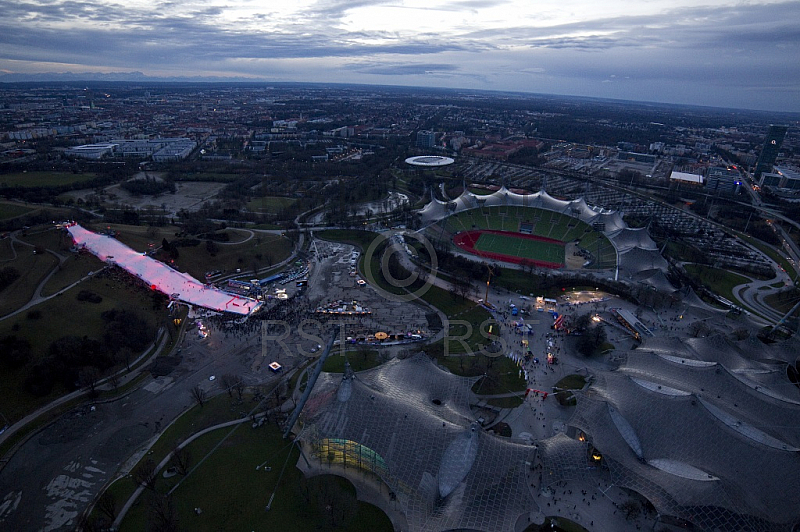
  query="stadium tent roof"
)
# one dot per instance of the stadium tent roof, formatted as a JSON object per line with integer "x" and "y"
{"x": 158, "y": 275}
{"x": 635, "y": 260}
{"x": 417, "y": 418}
{"x": 628, "y": 238}
{"x": 654, "y": 278}
{"x": 498, "y": 197}
{"x": 612, "y": 221}
{"x": 582, "y": 210}
{"x": 564, "y": 457}
{"x": 433, "y": 211}
{"x": 467, "y": 200}
{"x": 542, "y": 200}
{"x": 551, "y": 203}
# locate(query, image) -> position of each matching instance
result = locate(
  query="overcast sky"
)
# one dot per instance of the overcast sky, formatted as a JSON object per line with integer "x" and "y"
{"x": 723, "y": 53}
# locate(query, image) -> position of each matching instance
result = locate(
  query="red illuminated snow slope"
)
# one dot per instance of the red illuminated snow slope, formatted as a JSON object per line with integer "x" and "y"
{"x": 159, "y": 276}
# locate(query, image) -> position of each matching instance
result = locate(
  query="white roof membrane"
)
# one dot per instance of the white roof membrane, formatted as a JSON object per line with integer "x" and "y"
{"x": 178, "y": 285}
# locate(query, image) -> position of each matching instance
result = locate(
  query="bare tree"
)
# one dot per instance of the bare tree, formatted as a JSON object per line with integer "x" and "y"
{"x": 199, "y": 395}
{"x": 363, "y": 350}
{"x": 238, "y": 386}
{"x": 126, "y": 355}
{"x": 699, "y": 328}
{"x": 88, "y": 377}
{"x": 163, "y": 516}
{"x": 461, "y": 284}
{"x": 181, "y": 459}
{"x": 114, "y": 380}
{"x": 107, "y": 505}
{"x": 227, "y": 382}
{"x": 145, "y": 475}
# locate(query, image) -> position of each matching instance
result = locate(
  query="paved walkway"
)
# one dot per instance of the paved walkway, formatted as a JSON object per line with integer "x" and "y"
{"x": 124, "y": 375}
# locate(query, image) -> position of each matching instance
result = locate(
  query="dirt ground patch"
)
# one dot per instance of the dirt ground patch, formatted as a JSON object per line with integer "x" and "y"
{"x": 189, "y": 195}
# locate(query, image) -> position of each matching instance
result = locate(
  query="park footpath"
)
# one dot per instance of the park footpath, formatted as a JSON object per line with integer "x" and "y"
{"x": 163, "y": 463}
{"x": 124, "y": 376}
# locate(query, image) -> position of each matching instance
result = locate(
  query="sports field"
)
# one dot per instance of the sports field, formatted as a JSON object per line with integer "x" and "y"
{"x": 513, "y": 247}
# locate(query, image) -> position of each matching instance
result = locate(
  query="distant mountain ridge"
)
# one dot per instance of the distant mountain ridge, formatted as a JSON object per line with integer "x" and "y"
{"x": 21, "y": 77}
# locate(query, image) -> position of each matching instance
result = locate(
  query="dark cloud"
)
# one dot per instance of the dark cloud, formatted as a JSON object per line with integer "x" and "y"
{"x": 735, "y": 48}
{"x": 405, "y": 69}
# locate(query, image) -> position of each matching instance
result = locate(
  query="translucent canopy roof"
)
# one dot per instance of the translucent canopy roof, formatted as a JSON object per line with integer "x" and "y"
{"x": 446, "y": 472}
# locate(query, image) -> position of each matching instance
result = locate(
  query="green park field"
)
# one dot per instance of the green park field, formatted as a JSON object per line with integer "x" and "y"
{"x": 43, "y": 179}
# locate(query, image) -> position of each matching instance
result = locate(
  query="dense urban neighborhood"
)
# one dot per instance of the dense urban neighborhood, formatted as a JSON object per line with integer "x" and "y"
{"x": 286, "y": 306}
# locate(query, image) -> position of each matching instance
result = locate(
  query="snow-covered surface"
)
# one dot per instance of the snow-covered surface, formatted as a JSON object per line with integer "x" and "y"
{"x": 159, "y": 276}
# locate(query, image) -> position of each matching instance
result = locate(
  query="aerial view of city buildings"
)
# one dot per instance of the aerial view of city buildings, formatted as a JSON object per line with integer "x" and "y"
{"x": 387, "y": 266}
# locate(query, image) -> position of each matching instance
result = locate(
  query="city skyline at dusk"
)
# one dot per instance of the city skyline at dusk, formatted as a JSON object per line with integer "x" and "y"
{"x": 725, "y": 54}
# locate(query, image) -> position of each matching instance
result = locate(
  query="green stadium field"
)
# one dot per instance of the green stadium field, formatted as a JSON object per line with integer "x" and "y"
{"x": 542, "y": 224}
{"x": 525, "y": 248}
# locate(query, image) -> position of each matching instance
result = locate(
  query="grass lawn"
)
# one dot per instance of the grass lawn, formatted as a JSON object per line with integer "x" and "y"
{"x": 240, "y": 492}
{"x": 43, "y": 179}
{"x": 259, "y": 252}
{"x": 719, "y": 281}
{"x": 506, "y": 402}
{"x": 359, "y": 361}
{"x": 236, "y": 236}
{"x": 562, "y": 387}
{"x": 61, "y": 316}
{"x": 139, "y": 237}
{"x": 776, "y": 255}
{"x": 473, "y": 335}
{"x": 502, "y": 376}
{"x": 270, "y": 204}
{"x": 270, "y": 227}
{"x": 355, "y": 237}
{"x": 219, "y": 409}
{"x": 33, "y": 268}
{"x": 12, "y": 210}
{"x": 783, "y": 302}
{"x": 6, "y": 251}
{"x": 72, "y": 270}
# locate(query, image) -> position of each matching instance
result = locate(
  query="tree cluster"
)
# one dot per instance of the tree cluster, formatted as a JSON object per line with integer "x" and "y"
{"x": 76, "y": 361}
{"x": 8, "y": 275}
{"x": 148, "y": 187}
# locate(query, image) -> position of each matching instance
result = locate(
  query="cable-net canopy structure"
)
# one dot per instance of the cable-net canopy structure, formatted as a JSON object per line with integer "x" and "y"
{"x": 701, "y": 440}
{"x": 636, "y": 251}
{"x": 410, "y": 423}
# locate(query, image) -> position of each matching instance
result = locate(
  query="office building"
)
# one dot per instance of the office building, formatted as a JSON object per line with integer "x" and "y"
{"x": 426, "y": 139}
{"x": 772, "y": 145}
{"x": 722, "y": 181}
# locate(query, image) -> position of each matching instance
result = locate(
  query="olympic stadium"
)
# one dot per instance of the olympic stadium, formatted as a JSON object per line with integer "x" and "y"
{"x": 544, "y": 231}
{"x": 430, "y": 161}
{"x": 700, "y": 428}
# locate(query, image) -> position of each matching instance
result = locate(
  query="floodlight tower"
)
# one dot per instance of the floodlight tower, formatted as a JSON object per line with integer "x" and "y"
{"x": 489, "y": 280}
